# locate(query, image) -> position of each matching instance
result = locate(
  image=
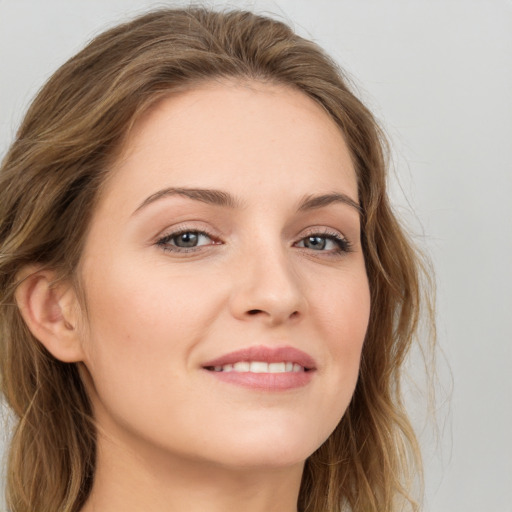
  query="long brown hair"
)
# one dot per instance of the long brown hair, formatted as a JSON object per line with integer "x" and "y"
{"x": 49, "y": 182}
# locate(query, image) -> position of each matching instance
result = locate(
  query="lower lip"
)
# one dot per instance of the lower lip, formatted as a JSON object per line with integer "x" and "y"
{"x": 265, "y": 381}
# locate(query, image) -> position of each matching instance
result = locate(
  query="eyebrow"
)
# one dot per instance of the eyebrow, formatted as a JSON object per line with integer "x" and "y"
{"x": 210, "y": 196}
{"x": 224, "y": 199}
{"x": 313, "y": 202}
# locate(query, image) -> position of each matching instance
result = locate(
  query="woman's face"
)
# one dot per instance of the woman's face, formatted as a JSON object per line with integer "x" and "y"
{"x": 225, "y": 282}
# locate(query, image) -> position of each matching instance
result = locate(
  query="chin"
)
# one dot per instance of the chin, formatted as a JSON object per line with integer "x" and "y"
{"x": 270, "y": 447}
{"x": 265, "y": 459}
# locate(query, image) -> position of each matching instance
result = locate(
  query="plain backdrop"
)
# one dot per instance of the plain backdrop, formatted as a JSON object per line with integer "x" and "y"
{"x": 438, "y": 76}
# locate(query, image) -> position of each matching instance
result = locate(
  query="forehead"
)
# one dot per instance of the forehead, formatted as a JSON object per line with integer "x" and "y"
{"x": 234, "y": 135}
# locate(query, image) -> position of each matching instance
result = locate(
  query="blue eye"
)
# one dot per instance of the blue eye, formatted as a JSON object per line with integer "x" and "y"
{"x": 184, "y": 240}
{"x": 332, "y": 243}
{"x": 191, "y": 240}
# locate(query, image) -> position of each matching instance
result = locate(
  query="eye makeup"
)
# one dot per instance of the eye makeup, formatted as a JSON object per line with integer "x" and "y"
{"x": 186, "y": 240}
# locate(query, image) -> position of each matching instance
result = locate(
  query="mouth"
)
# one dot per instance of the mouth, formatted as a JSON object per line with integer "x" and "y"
{"x": 259, "y": 367}
{"x": 264, "y": 368}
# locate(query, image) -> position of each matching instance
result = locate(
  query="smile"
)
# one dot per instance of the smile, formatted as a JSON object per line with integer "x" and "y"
{"x": 259, "y": 367}
{"x": 263, "y": 368}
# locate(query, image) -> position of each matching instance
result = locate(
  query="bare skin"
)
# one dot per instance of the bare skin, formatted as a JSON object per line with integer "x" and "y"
{"x": 176, "y": 279}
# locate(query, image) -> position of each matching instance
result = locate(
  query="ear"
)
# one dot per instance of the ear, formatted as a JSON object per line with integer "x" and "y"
{"x": 51, "y": 311}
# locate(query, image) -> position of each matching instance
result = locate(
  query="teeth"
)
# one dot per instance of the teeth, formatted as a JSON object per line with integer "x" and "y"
{"x": 241, "y": 367}
{"x": 260, "y": 367}
{"x": 277, "y": 367}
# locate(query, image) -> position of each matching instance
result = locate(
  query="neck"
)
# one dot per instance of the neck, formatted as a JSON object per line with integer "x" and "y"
{"x": 131, "y": 479}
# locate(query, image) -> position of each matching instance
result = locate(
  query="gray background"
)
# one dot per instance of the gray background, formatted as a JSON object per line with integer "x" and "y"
{"x": 438, "y": 75}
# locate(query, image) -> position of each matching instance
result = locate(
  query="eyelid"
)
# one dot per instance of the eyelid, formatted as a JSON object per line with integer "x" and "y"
{"x": 162, "y": 240}
{"x": 186, "y": 226}
{"x": 344, "y": 244}
{"x": 324, "y": 231}
{"x": 176, "y": 234}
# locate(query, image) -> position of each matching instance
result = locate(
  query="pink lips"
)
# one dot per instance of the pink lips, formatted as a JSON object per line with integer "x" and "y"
{"x": 265, "y": 381}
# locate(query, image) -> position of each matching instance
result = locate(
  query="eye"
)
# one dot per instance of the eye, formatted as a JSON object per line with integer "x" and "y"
{"x": 324, "y": 242}
{"x": 185, "y": 240}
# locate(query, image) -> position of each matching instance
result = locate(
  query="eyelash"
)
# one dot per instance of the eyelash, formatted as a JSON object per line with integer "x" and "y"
{"x": 343, "y": 245}
{"x": 165, "y": 245}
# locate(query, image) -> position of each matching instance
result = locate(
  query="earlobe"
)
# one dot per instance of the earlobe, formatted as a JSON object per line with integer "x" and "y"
{"x": 50, "y": 310}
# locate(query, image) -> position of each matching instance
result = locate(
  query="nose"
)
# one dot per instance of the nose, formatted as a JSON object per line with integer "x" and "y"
{"x": 268, "y": 289}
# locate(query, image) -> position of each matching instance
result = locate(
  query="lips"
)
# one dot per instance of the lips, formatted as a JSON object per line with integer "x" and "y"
{"x": 264, "y": 368}
{"x": 264, "y": 354}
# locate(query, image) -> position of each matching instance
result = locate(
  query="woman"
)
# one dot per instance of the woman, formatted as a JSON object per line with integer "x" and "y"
{"x": 206, "y": 298}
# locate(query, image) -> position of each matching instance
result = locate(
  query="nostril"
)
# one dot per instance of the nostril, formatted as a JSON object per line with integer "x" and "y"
{"x": 254, "y": 311}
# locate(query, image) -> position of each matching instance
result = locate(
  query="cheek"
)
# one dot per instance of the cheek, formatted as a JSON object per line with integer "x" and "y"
{"x": 145, "y": 323}
{"x": 141, "y": 331}
{"x": 341, "y": 315}
{"x": 342, "y": 310}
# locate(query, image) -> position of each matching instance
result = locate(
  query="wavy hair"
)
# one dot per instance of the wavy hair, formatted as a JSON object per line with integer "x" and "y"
{"x": 50, "y": 180}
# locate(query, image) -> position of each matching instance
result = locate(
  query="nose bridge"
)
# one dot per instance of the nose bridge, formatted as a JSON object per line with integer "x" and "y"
{"x": 266, "y": 284}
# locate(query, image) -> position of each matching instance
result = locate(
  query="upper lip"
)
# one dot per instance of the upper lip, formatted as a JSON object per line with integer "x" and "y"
{"x": 265, "y": 354}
